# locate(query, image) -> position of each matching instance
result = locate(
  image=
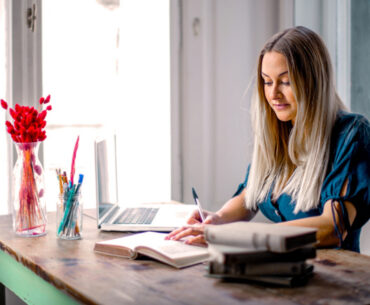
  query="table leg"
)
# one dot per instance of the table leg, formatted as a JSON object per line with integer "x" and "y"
{"x": 2, "y": 294}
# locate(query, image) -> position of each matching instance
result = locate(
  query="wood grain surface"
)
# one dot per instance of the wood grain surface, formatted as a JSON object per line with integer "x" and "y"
{"x": 340, "y": 277}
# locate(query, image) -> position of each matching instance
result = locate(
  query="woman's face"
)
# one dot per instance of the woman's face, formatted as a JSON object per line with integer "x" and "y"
{"x": 278, "y": 91}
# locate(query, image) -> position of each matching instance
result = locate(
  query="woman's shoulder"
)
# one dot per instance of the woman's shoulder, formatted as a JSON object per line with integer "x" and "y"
{"x": 351, "y": 127}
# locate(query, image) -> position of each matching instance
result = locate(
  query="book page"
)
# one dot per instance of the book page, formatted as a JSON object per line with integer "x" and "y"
{"x": 172, "y": 249}
{"x": 123, "y": 246}
{"x": 175, "y": 253}
{"x": 130, "y": 242}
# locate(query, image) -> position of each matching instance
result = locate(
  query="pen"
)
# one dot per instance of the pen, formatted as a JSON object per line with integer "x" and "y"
{"x": 195, "y": 196}
{"x": 66, "y": 211}
{"x": 60, "y": 181}
{"x": 80, "y": 179}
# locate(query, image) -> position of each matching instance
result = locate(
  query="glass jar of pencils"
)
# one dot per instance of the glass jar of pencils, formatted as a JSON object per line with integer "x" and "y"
{"x": 69, "y": 215}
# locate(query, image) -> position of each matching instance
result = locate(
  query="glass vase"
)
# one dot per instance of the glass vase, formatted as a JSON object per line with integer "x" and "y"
{"x": 29, "y": 207}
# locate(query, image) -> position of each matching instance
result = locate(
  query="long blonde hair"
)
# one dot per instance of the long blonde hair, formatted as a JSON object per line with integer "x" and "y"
{"x": 293, "y": 159}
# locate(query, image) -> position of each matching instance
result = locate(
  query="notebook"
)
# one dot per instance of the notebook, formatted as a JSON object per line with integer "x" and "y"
{"x": 113, "y": 216}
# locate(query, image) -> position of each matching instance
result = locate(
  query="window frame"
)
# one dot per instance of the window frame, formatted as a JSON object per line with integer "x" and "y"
{"x": 24, "y": 67}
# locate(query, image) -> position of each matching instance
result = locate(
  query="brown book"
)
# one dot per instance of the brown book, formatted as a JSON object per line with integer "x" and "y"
{"x": 232, "y": 255}
{"x": 152, "y": 244}
{"x": 267, "y": 280}
{"x": 275, "y": 268}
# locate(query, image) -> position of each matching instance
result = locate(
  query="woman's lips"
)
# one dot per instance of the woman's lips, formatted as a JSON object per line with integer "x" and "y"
{"x": 281, "y": 106}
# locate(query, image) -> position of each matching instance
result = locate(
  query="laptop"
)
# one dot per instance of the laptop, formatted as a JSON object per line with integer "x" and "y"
{"x": 113, "y": 216}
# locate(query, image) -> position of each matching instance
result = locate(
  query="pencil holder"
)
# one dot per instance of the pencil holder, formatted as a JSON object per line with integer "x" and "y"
{"x": 69, "y": 215}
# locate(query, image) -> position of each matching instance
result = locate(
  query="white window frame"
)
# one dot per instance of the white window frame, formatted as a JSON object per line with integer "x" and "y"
{"x": 24, "y": 70}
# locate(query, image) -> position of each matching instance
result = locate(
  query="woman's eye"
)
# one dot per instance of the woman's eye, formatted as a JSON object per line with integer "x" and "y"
{"x": 267, "y": 83}
{"x": 286, "y": 83}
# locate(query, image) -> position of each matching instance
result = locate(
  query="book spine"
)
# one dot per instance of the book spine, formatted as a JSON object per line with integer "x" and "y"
{"x": 251, "y": 240}
{"x": 293, "y": 256}
{"x": 284, "y": 268}
{"x": 288, "y": 281}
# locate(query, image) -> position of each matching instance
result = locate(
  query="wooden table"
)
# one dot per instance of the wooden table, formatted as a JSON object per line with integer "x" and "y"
{"x": 46, "y": 270}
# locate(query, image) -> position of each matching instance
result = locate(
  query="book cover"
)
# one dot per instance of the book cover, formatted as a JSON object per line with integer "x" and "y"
{"x": 260, "y": 236}
{"x": 152, "y": 244}
{"x": 280, "y": 268}
{"x": 267, "y": 280}
{"x": 231, "y": 255}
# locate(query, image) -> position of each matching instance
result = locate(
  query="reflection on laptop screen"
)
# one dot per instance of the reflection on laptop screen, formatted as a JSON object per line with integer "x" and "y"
{"x": 106, "y": 174}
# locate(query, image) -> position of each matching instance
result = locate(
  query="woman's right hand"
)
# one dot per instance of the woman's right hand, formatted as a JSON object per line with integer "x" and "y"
{"x": 232, "y": 210}
{"x": 210, "y": 218}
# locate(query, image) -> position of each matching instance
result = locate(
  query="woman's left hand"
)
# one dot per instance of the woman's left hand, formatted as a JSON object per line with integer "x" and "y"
{"x": 196, "y": 232}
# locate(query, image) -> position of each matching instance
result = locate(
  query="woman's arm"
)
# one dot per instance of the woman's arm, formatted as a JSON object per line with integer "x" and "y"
{"x": 235, "y": 210}
{"x": 232, "y": 210}
{"x": 326, "y": 235}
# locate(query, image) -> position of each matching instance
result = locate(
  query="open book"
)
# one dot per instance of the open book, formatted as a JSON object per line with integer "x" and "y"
{"x": 152, "y": 244}
{"x": 260, "y": 236}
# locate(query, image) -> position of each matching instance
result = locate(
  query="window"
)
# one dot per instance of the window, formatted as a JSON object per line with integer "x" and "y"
{"x": 3, "y": 159}
{"x": 106, "y": 66}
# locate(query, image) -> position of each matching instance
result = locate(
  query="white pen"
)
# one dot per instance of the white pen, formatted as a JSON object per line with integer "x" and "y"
{"x": 195, "y": 196}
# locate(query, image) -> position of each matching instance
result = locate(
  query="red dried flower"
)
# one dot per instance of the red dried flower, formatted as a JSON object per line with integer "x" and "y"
{"x": 28, "y": 122}
{"x": 4, "y": 104}
{"x": 42, "y": 115}
{"x": 13, "y": 114}
{"x": 47, "y": 100}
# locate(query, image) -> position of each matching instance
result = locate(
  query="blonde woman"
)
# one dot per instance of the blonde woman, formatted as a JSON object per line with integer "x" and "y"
{"x": 311, "y": 158}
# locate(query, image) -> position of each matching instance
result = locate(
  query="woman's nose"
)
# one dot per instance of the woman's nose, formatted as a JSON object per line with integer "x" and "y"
{"x": 275, "y": 92}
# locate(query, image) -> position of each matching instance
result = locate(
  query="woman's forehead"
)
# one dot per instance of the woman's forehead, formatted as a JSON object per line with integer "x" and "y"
{"x": 274, "y": 63}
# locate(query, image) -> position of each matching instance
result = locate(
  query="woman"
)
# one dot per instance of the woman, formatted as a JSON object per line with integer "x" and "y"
{"x": 310, "y": 164}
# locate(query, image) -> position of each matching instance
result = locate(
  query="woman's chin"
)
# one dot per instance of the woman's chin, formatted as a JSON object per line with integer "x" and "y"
{"x": 284, "y": 117}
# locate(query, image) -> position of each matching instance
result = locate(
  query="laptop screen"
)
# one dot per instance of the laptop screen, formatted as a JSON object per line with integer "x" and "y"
{"x": 106, "y": 174}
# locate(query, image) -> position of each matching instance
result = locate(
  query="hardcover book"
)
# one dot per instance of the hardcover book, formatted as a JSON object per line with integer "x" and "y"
{"x": 284, "y": 280}
{"x": 260, "y": 236}
{"x": 280, "y": 268}
{"x": 231, "y": 255}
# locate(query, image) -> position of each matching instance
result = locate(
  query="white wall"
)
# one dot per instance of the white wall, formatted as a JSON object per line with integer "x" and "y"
{"x": 218, "y": 61}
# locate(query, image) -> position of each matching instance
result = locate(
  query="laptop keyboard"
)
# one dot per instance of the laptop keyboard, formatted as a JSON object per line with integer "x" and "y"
{"x": 136, "y": 216}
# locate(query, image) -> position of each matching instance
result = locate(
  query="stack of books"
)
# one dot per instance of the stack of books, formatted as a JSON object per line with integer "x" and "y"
{"x": 260, "y": 252}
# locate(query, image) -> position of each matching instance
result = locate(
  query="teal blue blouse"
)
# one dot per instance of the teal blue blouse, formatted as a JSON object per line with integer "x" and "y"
{"x": 349, "y": 158}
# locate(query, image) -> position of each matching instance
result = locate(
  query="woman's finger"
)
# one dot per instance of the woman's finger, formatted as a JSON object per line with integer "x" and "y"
{"x": 199, "y": 239}
{"x": 209, "y": 219}
{"x": 193, "y": 221}
{"x": 191, "y": 230}
{"x": 182, "y": 234}
{"x": 194, "y": 217}
{"x": 175, "y": 232}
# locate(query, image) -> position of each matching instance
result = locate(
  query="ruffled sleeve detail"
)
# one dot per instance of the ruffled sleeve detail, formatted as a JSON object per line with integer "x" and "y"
{"x": 349, "y": 161}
